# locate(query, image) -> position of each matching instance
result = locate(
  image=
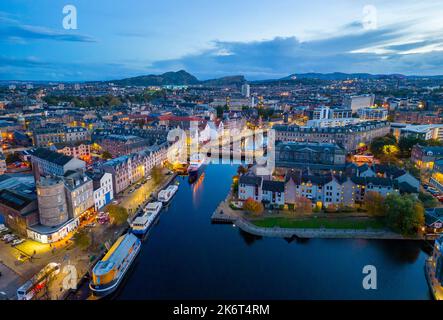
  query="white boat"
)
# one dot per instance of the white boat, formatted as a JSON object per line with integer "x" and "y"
{"x": 142, "y": 224}
{"x": 197, "y": 165}
{"x": 166, "y": 195}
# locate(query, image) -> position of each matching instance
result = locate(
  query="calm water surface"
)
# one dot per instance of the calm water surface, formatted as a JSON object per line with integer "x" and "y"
{"x": 187, "y": 257}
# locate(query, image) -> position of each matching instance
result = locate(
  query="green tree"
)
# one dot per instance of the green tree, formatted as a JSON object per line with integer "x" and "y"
{"x": 379, "y": 143}
{"x": 406, "y": 143}
{"x": 220, "y": 110}
{"x": 156, "y": 174}
{"x": 11, "y": 158}
{"x": 106, "y": 155}
{"x": 405, "y": 214}
{"x": 427, "y": 200}
{"x": 374, "y": 204}
{"x": 118, "y": 214}
{"x": 82, "y": 239}
{"x": 434, "y": 143}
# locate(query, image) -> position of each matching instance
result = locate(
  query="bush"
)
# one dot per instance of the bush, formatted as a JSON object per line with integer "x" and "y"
{"x": 253, "y": 207}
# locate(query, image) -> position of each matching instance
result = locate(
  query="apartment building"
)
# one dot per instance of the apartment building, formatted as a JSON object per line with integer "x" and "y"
{"x": 350, "y": 137}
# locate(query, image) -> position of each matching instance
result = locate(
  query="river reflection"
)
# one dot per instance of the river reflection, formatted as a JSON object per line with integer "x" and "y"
{"x": 187, "y": 257}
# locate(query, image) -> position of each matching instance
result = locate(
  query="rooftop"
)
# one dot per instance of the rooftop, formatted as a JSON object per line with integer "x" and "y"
{"x": 51, "y": 156}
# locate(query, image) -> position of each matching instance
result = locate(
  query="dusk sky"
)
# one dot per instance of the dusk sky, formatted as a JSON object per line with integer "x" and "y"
{"x": 260, "y": 39}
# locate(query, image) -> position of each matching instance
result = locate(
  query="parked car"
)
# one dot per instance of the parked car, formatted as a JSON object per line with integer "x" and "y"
{"x": 10, "y": 239}
{"x": 6, "y": 236}
{"x": 16, "y": 242}
{"x": 148, "y": 178}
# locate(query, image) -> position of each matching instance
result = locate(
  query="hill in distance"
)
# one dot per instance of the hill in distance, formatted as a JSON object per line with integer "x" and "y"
{"x": 182, "y": 77}
{"x": 178, "y": 78}
{"x": 169, "y": 78}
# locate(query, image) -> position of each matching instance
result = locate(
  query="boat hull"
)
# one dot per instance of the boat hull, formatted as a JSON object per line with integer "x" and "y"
{"x": 142, "y": 232}
{"x": 106, "y": 291}
{"x": 193, "y": 175}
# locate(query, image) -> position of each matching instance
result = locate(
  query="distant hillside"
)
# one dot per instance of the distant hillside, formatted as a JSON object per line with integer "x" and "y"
{"x": 225, "y": 81}
{"x": 169, "y": 78}
{"x": 340, "y": 76}
{"x": 178, "y": 78}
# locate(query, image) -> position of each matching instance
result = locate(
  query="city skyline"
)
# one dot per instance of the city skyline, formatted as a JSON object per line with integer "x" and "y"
{"x": 260, "y": 40}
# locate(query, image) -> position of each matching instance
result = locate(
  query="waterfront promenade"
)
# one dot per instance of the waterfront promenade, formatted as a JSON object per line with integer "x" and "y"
{"x": 225, "y": 214}
{"x": 129, "y": 201}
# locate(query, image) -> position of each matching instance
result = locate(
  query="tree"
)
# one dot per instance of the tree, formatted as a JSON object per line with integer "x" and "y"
{"x": 118, "y": 214}
{"x": 434, "y": 143}
{"x": 378, "y": 144}
{"x": 405, "y": 214}
{"x": 106, "y": 155}
{"x": 11, "y": 158}
{"x": 427, "y": 200}
{"x": 220, "y": 110}
{"x": 406, "y": 143}
{"x": 235, "y": 184}
{"x": 82, "y": 239}
{"x": 241, "y": 170}
{"x": 303, "y": 205}
{"x": 374, "y": 204}
{"x": 156, "y": 173}
{"x": 253, "y": 207}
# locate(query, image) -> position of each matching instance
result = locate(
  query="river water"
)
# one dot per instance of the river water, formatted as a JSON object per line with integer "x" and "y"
{"x": 187, "y": 257}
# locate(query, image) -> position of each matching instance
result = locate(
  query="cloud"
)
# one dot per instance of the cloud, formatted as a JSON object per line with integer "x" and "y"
{"x": 390, "y": 49}
{"x": 12, "y": 30}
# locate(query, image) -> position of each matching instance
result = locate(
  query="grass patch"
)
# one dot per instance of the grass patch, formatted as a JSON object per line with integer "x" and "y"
{"x": 315, "y": 223}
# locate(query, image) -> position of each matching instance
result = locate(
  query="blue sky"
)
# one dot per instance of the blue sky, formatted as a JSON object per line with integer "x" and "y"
{"x": 260, "y": 39}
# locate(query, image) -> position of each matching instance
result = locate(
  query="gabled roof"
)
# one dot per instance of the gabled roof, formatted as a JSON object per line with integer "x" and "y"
{"x": 432, "y": 216}
{"x": 250, "y": 179}
{"x": 275, "y": 186}
{"x": 406, "y": 187}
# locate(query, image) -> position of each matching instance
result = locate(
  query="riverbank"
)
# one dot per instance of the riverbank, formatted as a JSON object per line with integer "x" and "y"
{"x": 321, "y": 227}
{"x": 83, "y": 279}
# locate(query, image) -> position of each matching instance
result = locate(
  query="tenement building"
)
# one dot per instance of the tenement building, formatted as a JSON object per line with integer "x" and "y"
{"x": 315, "y": 155}
{"x": 350, "y": 137}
